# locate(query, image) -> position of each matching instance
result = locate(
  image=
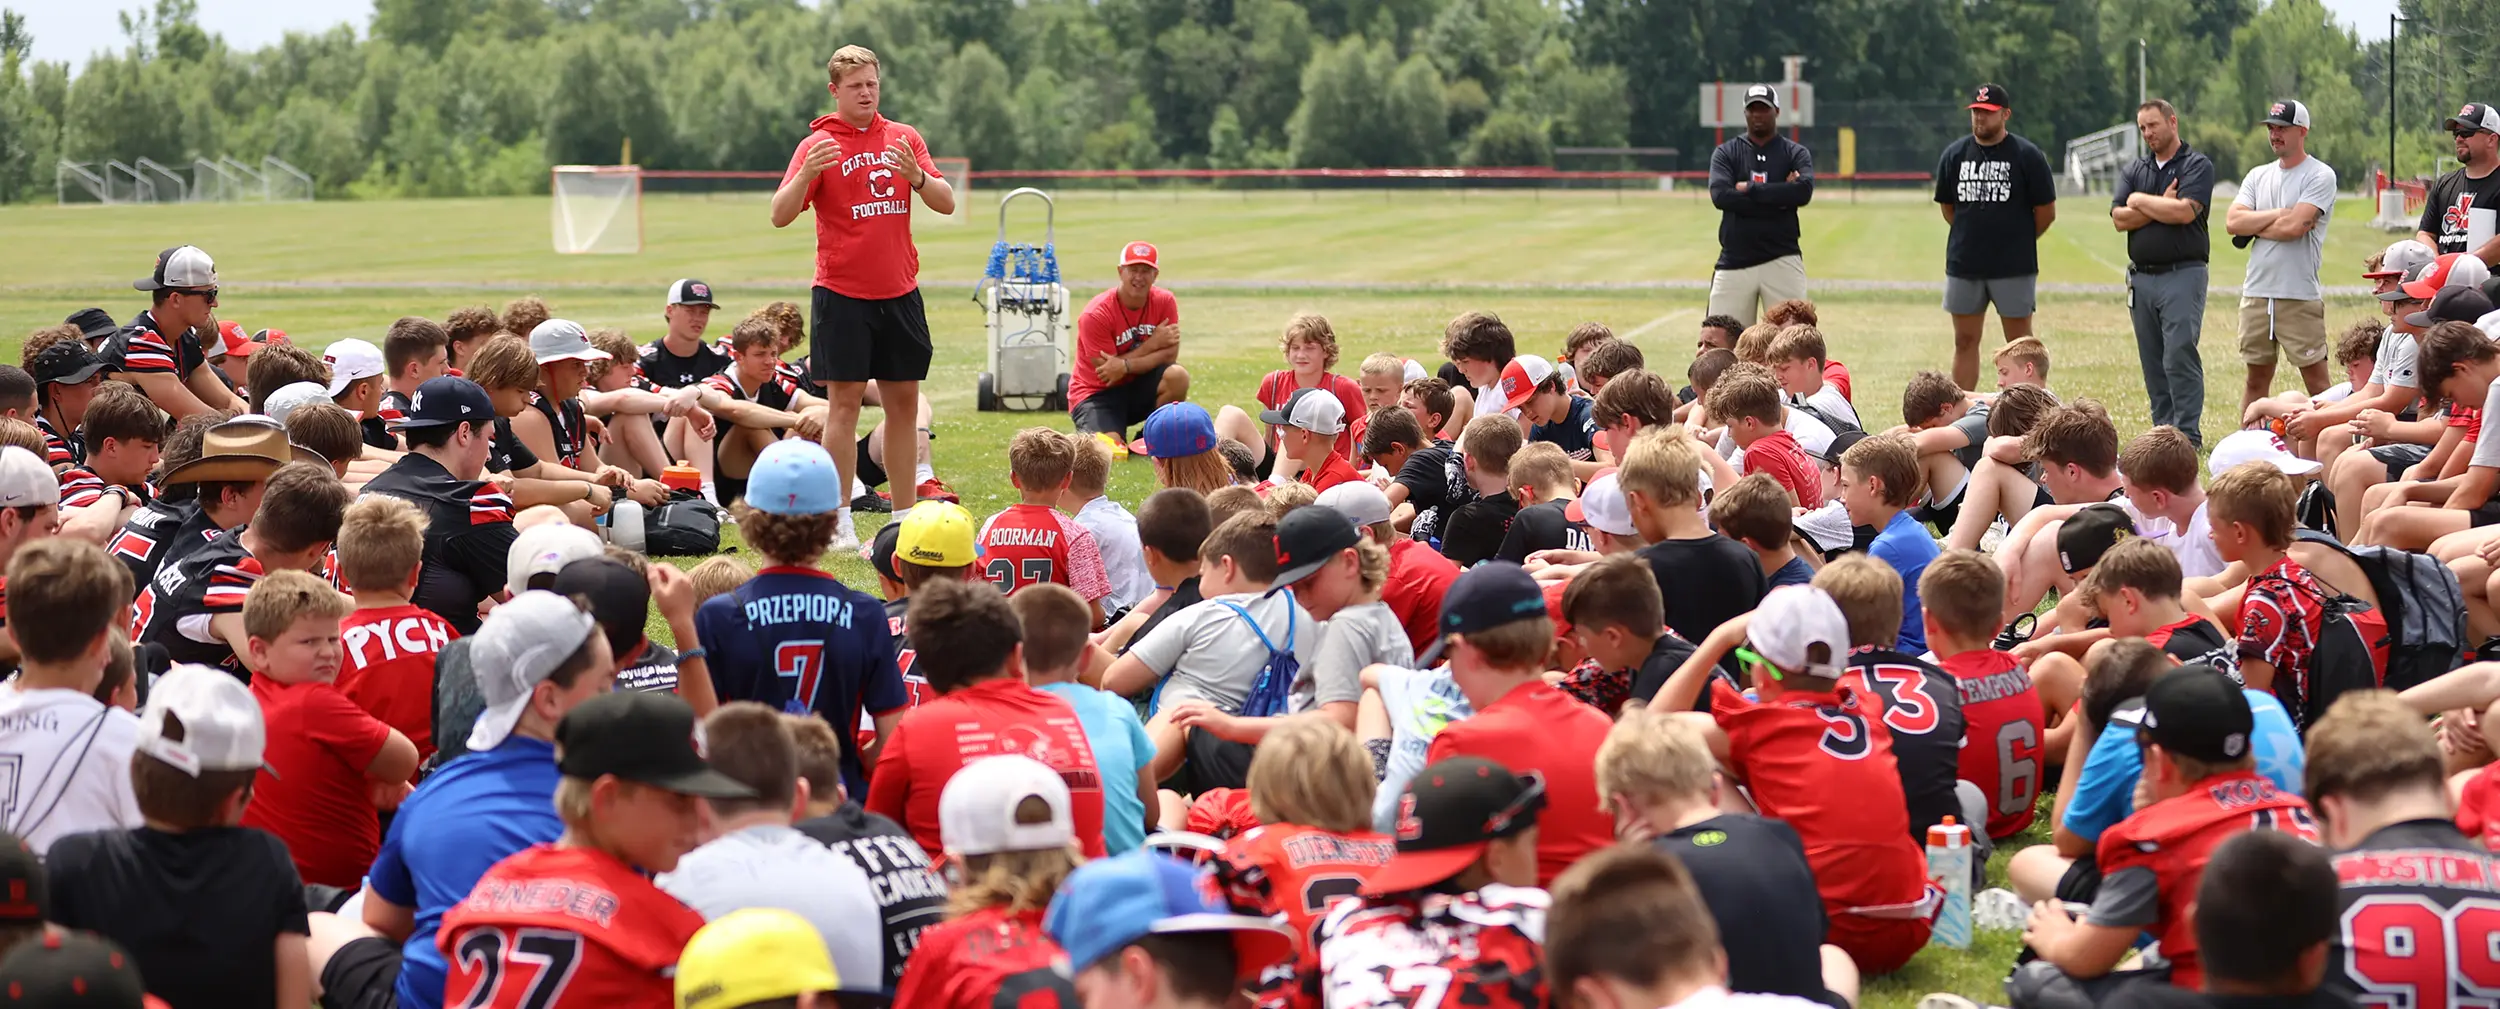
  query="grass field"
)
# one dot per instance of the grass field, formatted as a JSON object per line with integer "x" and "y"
{"x": 1387, "y": 269}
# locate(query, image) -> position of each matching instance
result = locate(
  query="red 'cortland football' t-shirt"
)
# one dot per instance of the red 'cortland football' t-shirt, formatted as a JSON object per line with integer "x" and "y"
{"x": 2152, "y": 862}
{"x": 863, "y": 208}
{"x": 1109, "y": 327}
{"x": 986, "y": 959}
{"x": 1279, "y": 386}
{"x": 2002, "y": 722}
{"x": 320, "y": 744}
{"x": 1823, "y": 763}
{"x": 985, "y": 719}
{"x": 1537, "y": 728}
{"x": 564, "y": 928}
{"x": 389, "y": 667}
{"x": 1029, "y": 543}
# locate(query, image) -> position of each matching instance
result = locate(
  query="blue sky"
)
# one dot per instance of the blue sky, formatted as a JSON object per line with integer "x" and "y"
{"x": 73, "y": 29}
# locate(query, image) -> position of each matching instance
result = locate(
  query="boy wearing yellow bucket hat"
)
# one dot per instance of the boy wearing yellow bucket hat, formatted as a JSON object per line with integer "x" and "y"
{"x": 753, "y": 957}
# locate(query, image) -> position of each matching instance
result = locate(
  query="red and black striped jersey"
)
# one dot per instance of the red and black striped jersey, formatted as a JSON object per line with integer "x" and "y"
{"x": 1485, "y": 948}
{"x": 60, "y": 450}
{"x": 174, "y": 610}
{"x": 141, "y": 349}
{"x": 158, "y": 533}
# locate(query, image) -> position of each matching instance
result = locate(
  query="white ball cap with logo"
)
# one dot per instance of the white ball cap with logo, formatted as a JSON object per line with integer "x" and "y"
{"x": 219, "y": 721}
{"x": 1313, "y": 410}
{"x": 1789, "y": 625}
{"x": 25, "y": 482}
{"x": 563, "y": 340}
{"x": 351, "y": 360}
{"x": 977, "y": 809}
{"x": 2258, "y": 445}
{"x": 518, "y": 646}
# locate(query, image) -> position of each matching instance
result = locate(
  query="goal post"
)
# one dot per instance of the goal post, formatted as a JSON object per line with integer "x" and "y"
{"x": 597, "y": 209}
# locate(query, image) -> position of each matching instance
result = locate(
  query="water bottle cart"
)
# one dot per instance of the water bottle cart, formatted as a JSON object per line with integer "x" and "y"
{"x": 1031, "y": 332}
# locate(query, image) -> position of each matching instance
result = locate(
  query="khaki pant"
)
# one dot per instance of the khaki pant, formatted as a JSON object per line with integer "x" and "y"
{"x": 1742, "y": 293}
{"x": 2299, "y": 327}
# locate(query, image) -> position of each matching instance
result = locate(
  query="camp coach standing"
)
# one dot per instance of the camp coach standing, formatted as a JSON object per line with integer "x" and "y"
{"x": 2161, "y": 203}
{"x": 2280, "y": 217}
{"x": 1758, "y": 181}
{"x": 859, "y": 170}
{"x": 1998, "y": 196}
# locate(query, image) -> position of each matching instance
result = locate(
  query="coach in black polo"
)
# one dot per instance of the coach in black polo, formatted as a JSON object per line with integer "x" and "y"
{"x": 1758, "y": 181}
{"x": 2161, "y": 202}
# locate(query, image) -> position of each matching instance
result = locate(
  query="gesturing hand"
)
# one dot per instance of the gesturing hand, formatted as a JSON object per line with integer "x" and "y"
{"x": 899, "y": 155}
{"x": 821, "y": 156}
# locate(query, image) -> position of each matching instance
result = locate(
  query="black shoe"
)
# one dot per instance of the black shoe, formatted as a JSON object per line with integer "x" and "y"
{"x": 872, "y": 502}
{"x": 2017, "y": 632}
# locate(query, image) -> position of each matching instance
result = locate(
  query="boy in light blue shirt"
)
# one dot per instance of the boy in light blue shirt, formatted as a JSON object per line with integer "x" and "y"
{"x": 1056, "y": 621}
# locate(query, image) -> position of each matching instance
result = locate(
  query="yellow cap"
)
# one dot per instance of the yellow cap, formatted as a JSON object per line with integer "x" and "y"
{"x": 753, "y": 955}
{"x": 936, "y": 534}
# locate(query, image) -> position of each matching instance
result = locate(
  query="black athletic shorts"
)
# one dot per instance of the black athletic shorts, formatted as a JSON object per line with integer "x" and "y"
{"x": 859, "y": 340}
{"x": 364, "y": 974}
{"x": 2487, "y": 513}
{"x": 2400, "y": 458}
{"x": 1115, "y": 408}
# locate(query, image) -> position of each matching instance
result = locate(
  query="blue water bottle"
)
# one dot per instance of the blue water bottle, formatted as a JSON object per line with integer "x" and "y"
{"x": 1948, "y": 864}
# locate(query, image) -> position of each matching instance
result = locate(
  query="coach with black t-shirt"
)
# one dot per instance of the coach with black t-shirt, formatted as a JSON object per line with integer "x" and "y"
{"x": 1997, "y": 193}
{"x": 2161, "y": 203}
{"x": 1758, "y": 181}
{"x": 2474, "y": 189}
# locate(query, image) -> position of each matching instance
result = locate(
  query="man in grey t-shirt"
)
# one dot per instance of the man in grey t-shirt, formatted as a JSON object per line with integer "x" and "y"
{"x": 2280, "y": 218}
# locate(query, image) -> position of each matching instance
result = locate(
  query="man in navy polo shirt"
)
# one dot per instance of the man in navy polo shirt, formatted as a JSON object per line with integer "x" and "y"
{"x": 537, "y": 657}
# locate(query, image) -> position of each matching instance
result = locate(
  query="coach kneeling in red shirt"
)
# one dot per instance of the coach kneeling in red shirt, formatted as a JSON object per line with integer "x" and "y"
{"x": 1494, "y": 625}
{"x": 1128, "y": 345}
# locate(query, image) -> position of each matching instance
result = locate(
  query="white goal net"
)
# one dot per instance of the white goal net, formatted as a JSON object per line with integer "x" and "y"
{"x": 598, "y": 209}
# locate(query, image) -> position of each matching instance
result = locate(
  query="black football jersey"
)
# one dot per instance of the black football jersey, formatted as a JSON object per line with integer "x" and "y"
{"x": 211, "y": 581}
{"x": 1923, "y": 711}
{"x": 160, "y": 532}
{"x": 2419, "y": 919}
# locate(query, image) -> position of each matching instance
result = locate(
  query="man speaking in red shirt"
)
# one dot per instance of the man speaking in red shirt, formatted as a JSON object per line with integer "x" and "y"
{"x": 1128, "y": 344}
{"x": 859, "y": 170}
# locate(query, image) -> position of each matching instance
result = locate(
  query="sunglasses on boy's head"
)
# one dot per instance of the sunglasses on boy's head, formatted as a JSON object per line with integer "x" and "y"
{"x": 1753, "y": 658}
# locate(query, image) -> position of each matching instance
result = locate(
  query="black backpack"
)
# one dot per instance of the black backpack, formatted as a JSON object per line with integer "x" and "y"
{"x": 2340, "y": 662}
{"x": 2315, "y": 508}
{"x": 685, "y": 525}
{"x": 2422, "y": 603}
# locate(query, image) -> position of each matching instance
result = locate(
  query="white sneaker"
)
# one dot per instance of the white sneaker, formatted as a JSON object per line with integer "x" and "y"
{"x": 1998, "y": 909}
{"x": 1945, "y": 1000}
{"x": 1989, "y": 541}
{"x": 845, "y": 541}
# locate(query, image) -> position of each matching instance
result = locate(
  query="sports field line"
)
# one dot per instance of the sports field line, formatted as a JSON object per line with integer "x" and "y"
{"x": 1644, "y": 328}
{"x": 1196, "y": 284}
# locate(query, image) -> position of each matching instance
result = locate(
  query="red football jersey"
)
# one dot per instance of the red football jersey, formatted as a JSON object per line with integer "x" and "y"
{"x": 2002, "y": 724}
{"x": 1538, "y": 728}
{"x": 1298, "y": 871}
{"x": 985, "y": 960}
{"x": 2171, "y": 840}
{"x": 1108, "y": 327}
{"x": 564, "y": 928}
{"x": 863, "y": 208}
{"x": 1028, "y": 544}
{"x": 389, "y": 667}
{"x": 915, "y": 686}
{"x": 992, "y": 717}
{"x": 1823, "y": 763}
{"x": 1483, "y": 949}
{"x": 2478, "y": 808}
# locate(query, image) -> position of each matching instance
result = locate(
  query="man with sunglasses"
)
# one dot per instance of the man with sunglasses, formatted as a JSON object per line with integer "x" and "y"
{"x": 159, "y": 351}
{"x": 1453, "y": 919}
{"x": 2460, "y": 197}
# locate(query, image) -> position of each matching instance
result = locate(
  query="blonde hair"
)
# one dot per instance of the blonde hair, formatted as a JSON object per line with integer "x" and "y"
{"x": 1019, "y": 882}
{"x": 2028, "y": 350}
{"x": 573, "y": 800}
{"x": 1206, "y": 472}
{"x": 718, "y": 575}
{"x": 1385, "y": 363}
{"x": 1314, "y": 327}
{"x": 2368, "y": 745}
{"x": 1753, "y": 346}
{"x": 620, "y": 349}
{"x": 1091, "y": 473}
{"x": 1283, "y": 498}
{"x": 1654, "y": 753}
{"x": 847, "y": 59}
{"x": 1869, "y": 594}
{"x": 1312, "y": 772}
{"x": 1541, "y": 465}
{"x": 502, "y": 362}
{"x": 1489, "y": 441}
{"x": 1374, "y": 559}
{"x": 281, "y": 598}
{"x": 1040, "y": 458}
{"x": 1662, "y": 465}
{"x": 1228, "y": 502}
{"x": 381, "y": 541}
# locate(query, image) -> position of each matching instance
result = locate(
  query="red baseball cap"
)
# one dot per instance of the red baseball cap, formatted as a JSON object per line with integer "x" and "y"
{"x": 1520, "y": 379}
{"x": 1138, "y": 252}
{"x": 232, "y": 341}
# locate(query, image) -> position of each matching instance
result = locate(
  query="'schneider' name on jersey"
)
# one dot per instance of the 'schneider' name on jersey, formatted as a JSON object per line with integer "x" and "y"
{"x": 571, "y": 898}
{"x": 799, "y": 608}
{"x": 1985, "y": 182}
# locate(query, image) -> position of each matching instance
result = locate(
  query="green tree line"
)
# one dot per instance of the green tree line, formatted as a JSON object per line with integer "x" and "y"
{"x": 479, "y": 97}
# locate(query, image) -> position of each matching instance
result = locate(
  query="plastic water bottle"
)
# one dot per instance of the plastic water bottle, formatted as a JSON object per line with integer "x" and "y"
{"x": 1948, "y": 864}
{"x": 625, "y": 527}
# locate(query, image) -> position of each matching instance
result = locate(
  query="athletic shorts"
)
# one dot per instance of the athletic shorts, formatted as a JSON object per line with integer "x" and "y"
{"x": 1115, "y": 408}
{"x": 2298, "y": 327}
{"x": 863, "y": 339}
{"x": 2400, "y": 458}
{"x": 2487, "y": 513}
{"x": 364, "y": 974}
{"x": 2014, "y": 297}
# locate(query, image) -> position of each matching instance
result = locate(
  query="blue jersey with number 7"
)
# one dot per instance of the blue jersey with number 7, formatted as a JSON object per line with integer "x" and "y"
{"x": 801, "y": 642}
